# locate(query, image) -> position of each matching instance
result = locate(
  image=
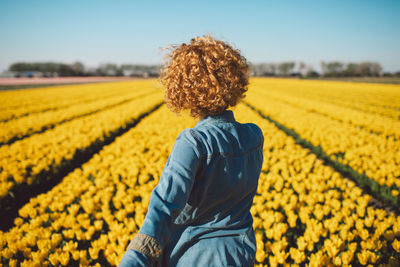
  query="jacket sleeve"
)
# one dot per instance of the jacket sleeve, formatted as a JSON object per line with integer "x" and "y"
{"x": 133, "y": 258}
{"x": 169, "y": 196}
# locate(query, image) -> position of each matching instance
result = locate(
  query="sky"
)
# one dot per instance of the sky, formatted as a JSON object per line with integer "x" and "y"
{"x": 133, "y": 32}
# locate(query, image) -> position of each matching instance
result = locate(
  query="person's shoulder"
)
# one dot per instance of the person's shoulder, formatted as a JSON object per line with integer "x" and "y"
{"x": 254, "y": 127}
{"x": 191, "y": 137}
{"x": 255, "y": 130}
{"x": 189, "y": 134}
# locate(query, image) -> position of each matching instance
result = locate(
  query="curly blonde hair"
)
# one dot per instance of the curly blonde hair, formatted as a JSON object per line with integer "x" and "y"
{"x": 206, "y": 77}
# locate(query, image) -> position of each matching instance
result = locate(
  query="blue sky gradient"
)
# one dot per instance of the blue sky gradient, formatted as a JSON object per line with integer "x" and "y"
{"x": 122, "y": 31}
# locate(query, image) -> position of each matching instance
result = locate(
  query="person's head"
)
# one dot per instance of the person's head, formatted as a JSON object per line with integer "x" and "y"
{"x": 206, "y": 77}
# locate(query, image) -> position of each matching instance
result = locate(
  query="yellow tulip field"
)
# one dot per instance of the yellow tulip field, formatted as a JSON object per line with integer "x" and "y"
{"x": 78, "y": 164}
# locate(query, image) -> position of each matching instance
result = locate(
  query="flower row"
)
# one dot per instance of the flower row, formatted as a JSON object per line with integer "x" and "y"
{"x": 21, "y": 103}
{"x": 40, "y": 157}
{"x": 16, "y": 129}
{"x": 375, "y": 155}
{"x": 379, "y": 99}
{"x": 378, "y": 124}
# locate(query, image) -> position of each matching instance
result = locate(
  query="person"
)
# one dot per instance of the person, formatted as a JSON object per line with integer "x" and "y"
{"x": 199, "y": 212}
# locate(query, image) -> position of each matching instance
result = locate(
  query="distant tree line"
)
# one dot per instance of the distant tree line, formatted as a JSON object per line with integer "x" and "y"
{"x": 363, "y": 69}
{"x": 282, "y": 69}
{"x": 328, "y": 69}
{"x": 51, "y": 69}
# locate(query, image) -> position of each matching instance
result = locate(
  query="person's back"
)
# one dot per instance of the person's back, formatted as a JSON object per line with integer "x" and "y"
{"x": 222, "y": 194}
{"x": 199, "y": 212}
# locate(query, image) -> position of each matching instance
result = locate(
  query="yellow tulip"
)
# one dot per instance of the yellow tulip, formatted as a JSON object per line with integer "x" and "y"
{"x": 54, "y": 260}
{"x": 260, "y": 255}
{"x": 64, "y": 258}
{"x": 83, "y": 258}
{"x": 337, "y": 261}
{"x": 13, "y": 263}
{"x": 98, "y": 225}
{"x": 94, "y": 253}
{"x": 71, "y": 246}
{"x": 297, "y": 255}
{"x": 7, "y": 253}
{"x": 396, "y": 245}
{"x": 45, "y": 244}
{"x": 75, "y": 255}
{"x": 363, "y": 257}
{"x": 347, "y": 257}
{"x": 55, "y": 240}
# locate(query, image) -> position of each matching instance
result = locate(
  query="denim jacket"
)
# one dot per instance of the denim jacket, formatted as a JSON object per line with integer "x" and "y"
{"x": 199, "y": 212}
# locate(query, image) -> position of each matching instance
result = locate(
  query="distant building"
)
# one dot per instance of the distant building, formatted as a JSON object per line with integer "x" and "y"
{"x": 127, "y": 72}
{"x": 31, "y": 74}
{"x": 27, "y": 74}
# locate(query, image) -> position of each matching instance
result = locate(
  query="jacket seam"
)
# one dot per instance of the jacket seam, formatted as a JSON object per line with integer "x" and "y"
{"x": 195, "y": 136}
{"x": 232, "y": 155}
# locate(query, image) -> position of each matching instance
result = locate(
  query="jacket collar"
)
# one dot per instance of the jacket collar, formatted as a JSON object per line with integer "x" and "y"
{"x": 225, "y": 116}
